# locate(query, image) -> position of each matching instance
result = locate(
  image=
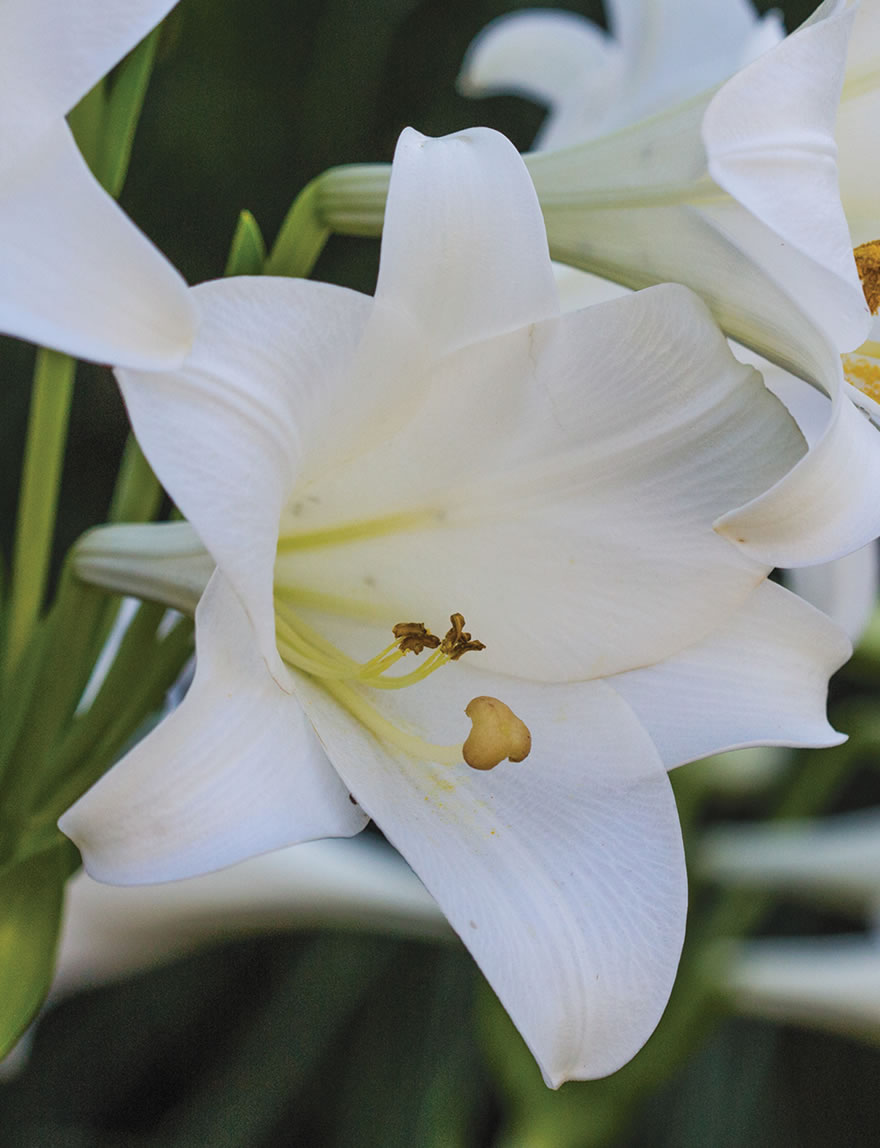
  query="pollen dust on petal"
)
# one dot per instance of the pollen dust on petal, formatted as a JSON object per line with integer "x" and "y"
{"x": 864, "y": 373}
{"x": 867, "y": 257}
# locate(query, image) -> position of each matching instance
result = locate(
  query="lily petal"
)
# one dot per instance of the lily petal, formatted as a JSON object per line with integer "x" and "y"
{"x": 554, "y": 57}
{"x": 761, "y": 680}
{"x": 448, "y": 257}
{"x": 564, "y": 875}
{"x": 675, "y": 49}
{"x": 225, "y": 434}
{"x": 236, "y": 770}
{"x": 111, "y": 932}
{"x": 53, "y": 52}
{"x": 554, "y": 461}
{"x": 782, "y": 167}
{"x": 78, "y": 275}
{"x": 845, "y": 590}
{"x": 538, "y": 53}
{"x": 827, "y": 983}
{"x": 825, "y": 507}
{"x": 857, "y": 118}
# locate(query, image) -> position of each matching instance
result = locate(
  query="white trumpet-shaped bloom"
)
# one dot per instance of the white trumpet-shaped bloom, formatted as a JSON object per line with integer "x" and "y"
{"x": 732, "y": 190}
{"x": 767, "y": 139}
{"x": 458, "y": 446}
{"x": 77, "y": 274}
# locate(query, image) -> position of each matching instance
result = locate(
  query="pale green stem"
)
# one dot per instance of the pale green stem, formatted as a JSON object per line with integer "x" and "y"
{"x": 38, "y": 499}
{"x": 302, "y": 237}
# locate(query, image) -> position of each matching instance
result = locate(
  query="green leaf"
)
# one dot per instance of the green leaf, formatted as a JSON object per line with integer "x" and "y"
{"x": 247, "y": 252}
{"x": 31, "y": 899}
{"x": 123, "y": 110}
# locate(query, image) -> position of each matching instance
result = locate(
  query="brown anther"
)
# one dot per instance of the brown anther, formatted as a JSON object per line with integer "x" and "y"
{"x": 867, "y": 256}
{"x": 497, "y": 734}
{"x": 458, "y": 641}
{"x": 413, "y": 637}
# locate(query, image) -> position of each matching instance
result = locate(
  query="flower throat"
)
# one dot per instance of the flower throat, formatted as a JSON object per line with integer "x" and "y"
{"x": 497, "y": 733}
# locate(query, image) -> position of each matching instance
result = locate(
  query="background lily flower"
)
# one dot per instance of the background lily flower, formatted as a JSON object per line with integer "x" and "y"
{"x": 733, "y": 192}
{"x": 77, "y": 274}
{"x": 654, "y": 55}
{"x": 457, "y": 446}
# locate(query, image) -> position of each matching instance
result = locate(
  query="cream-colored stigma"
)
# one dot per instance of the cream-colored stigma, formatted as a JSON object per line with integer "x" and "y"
{"x": 867, "y": 256}
{"x": 497, "y": 734}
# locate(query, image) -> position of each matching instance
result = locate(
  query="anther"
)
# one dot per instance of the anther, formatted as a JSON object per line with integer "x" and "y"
{"x": 413, "y": 637}
{"x": 497, "y": 734}
{"x": 458, "y": 641}
{"x": 867, "y": 256}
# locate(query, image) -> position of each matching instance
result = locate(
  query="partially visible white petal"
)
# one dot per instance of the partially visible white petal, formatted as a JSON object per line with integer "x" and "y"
{"x": 464, "y": 249}
{"x": 760, "y": 680}
{"x": 769, "y": 137}
{"x": 835, "y": 860}
{"x": 77, "y": 273}
{"x": 162, "y": 562}
{"x": 766, "y": 33}
{"x": 825, "y": 507}
{"x": 112, "y": 932}
{"x": 675, "y": 49}
{"x": 579, "y": 464}
{"x": 579, "y": 289}
{"x": 845, "y": 590}
{"x": 552, "y": 56}
{"x": 54, "y": 51}
{"x": 857, "y": 119}
{"x": 564, "y": 875}
{"x": 227, "y": 434}
{"x": 829, "y": 983}
{"x": 236, "y": 770}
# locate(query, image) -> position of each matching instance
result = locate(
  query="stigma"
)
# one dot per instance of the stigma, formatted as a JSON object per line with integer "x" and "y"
{"x": 497, "y": 734}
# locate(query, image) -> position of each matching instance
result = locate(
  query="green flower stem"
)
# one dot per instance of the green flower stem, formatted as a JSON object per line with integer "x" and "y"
{"x": 38, "y": 500}
{"x": 302, "y": 236}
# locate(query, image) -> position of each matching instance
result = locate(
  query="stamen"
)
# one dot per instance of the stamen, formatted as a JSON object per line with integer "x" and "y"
{"x": 867, "y": 256}
{"x": 307, "y": 650}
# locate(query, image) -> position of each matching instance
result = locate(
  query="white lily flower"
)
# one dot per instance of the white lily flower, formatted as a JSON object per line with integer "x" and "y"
{"x": 78, "y": 275}
{"x": 829, "y": 983}
{"x": 457, "y": 446}
{"x": 733, "y": 192}
{"x": 658, "y": 53}
{"x": 110, "y": 932}
{"x": 833, "y": 859}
